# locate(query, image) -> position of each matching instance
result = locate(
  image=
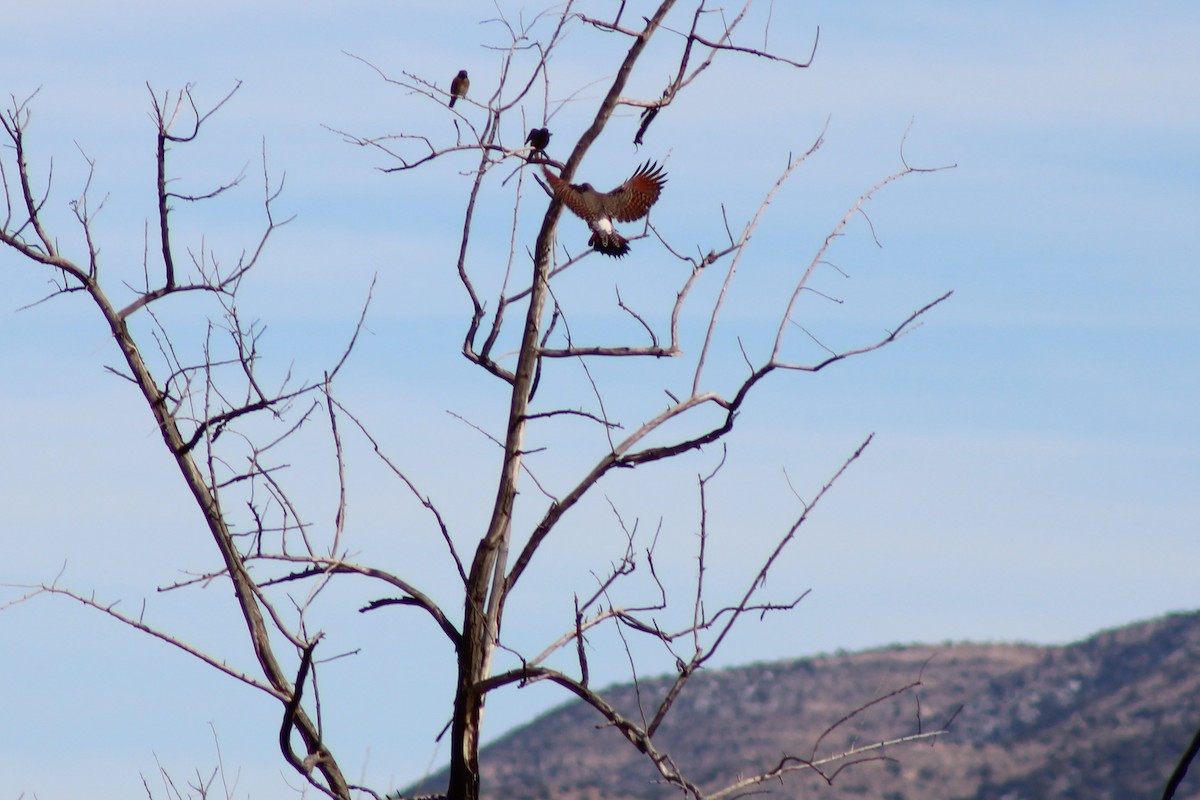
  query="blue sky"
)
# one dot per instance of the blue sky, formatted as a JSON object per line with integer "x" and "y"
{"x": 1035, "y": 468}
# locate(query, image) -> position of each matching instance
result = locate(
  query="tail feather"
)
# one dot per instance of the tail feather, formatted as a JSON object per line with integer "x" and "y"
{"x": 609, "y": 243}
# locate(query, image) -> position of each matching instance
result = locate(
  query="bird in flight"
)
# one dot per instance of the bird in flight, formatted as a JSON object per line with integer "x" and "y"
{"x": 628, "y": 202}
{"x": 459, "y": 86}
{"x": 538, "y": 139}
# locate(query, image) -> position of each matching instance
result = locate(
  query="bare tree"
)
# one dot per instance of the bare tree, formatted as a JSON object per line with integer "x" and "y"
{"x": 1181, "y": 766}
{"x": 207, "y": 394}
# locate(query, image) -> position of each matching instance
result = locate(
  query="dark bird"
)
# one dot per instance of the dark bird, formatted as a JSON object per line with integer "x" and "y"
{"x": 459, "y": 86}
{"x": 538, "y": 139}
{"x": 628, "y": 202}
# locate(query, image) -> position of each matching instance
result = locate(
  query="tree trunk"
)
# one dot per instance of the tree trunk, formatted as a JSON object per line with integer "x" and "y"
{"x": 468, "y": 715}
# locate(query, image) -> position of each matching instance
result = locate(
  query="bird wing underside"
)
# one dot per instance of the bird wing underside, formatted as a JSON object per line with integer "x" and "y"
{"x": 632, "y": 199}
{"x": 571, "y": 197}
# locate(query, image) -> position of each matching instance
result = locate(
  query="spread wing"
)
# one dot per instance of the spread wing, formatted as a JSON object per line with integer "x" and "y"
{"x": 633, "y": 198}
{"x": 570, "y": 196}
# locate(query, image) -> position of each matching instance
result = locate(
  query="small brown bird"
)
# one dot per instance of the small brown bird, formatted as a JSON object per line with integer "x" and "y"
{"x": 459, "y": 86}
{"x": 628, "y": 202}
{"x": 538, "y": 139}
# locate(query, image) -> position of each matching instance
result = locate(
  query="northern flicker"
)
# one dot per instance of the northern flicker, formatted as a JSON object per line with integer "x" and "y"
{"x": 628, "y": 202}
{"x": 538, "y": 139}
{"x": 459, "y": 86}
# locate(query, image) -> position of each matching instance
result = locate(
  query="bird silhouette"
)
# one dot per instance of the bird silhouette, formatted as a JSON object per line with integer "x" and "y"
{"x": 459, "y": 86}
{"x": 628, "y": 202}
{"x": 538, "y": 139}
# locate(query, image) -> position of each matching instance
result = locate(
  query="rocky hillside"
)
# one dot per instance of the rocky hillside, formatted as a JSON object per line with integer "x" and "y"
{"x": 1102, "y": 719}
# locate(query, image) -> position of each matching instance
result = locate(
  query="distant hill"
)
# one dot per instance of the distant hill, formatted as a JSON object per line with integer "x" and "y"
{"x": 1102, "y": 719}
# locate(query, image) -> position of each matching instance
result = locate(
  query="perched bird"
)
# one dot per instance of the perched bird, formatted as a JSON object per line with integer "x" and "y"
{"x": 628, "y": 202}
{"x": 538, "y": 139}
{"x": 459, "y": 86}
